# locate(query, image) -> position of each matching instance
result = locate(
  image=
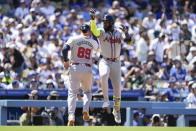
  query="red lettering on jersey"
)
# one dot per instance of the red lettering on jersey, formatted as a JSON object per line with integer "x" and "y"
{"x": 112, "y": 41}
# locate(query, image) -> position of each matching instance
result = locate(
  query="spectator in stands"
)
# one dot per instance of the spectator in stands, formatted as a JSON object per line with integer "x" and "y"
{"x": 136, "y": 119}
{"x": 149, "y": 22}
{"x": 151, "y": 56}
{"x": 135, "y": 79}
{"x": 107, "y": 117}
{"x": 50, "y": 84}
{"x": 157, "y": 46}
{"x": 156, "y": 120}
{"x": 17, "y": 60}
{"x": 47, "y": 9}
{"x": 7, "y": 78}
{"x": 33, "y": 40}
{"x": 178, "y": 71}
{"x": 146, "y": 120}
{"x": 31, "y": 18}
{"x": 175, "y": 49}
{"x": 21, "y": 11}
{"x": 162, "y": 97}
{"x": 193, "y": 32}
{"x": 191, "y": 99}
{"x": 61, "y": 85}
{"x": 142, "y": 47}
{"x": 32, "y": 63}
{"x": 175, "y": 31}
{"x": 33, "y": 85}
{"x": 2, "y": 85}
{"x": 152, "y": 65}
{"x": 191, "y": 54}
{"x": 15, "y": 85}
{"x": 189, "y": 21}
{"x": 163, "y": 73}
{"x": 36, "y": 4}
{"x": 57, "y": 77}
{"x": 11, "y": 10}
{"x": 172, "y": 91}
{"x": 134, "y": 26}
{"x": 185, "y": 34}
{"x": 27, "y": 118}
{"x": 116, "y": 9}
{"x": 55, "y": 114}
{"x": 149, "y": 87}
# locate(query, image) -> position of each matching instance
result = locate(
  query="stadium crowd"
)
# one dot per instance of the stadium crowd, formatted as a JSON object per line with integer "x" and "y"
{"x": 160, "y": 60}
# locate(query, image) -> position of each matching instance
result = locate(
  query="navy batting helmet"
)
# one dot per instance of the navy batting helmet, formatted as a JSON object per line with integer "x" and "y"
{"x": 85, "y": 28}
{"x": 109, "y": 18}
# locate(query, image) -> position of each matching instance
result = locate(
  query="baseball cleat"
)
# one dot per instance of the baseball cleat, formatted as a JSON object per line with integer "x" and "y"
{"x": 86, "y": 116}
{"x": 71, "y": 123}
{"x": 117, "y": 116}
{"x": 106, "y": 104}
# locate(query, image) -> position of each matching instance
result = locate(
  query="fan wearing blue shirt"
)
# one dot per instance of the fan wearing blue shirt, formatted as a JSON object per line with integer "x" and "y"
{"x": 178, "y": 71}
{"x": 172, "y": 92}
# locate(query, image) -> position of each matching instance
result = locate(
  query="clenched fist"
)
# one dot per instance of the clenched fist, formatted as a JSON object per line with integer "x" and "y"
{"x": 92, "y": 13}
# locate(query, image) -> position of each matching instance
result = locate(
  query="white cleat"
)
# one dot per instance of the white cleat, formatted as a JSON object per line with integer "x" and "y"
{"x": 106, "y": 104}
{"x": 117, "y": 116}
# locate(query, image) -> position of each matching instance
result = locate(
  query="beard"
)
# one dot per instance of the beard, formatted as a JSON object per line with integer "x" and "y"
{"x": 108, "y": 28}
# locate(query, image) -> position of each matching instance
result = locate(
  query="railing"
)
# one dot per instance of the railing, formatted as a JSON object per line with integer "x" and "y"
{"x": 151, "y": 108}
{"x": 14, "y": 94}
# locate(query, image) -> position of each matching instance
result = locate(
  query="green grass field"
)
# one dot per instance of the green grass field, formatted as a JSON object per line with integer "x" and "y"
{"x": 94, "y": 128}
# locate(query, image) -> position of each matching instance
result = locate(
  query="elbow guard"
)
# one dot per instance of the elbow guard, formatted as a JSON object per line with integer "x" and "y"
{"x": 65, "y": 50}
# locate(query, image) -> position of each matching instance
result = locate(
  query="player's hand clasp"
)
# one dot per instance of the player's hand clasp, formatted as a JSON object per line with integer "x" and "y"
{"x": 124, "y": 29}
{"x": 66, "y": 65}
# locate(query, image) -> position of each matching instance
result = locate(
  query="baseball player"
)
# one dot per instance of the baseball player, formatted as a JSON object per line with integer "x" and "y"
{"x": 109, "y": 64}
{"x": 80, "y": 72}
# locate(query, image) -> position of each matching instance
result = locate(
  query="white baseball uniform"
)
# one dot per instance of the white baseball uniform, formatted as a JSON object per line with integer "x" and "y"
{"x": 80, "y": 71}
{"x": 110, "y": 47}
{"x": 110, "y": 65}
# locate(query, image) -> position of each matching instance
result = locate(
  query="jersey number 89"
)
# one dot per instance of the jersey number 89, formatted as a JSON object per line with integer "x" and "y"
{"x": 82, "y": 52}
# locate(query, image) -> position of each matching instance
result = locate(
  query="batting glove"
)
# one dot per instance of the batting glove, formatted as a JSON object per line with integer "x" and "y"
{"x": 92, "y": 13}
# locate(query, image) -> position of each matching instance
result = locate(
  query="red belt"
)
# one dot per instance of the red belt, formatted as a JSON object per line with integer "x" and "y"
{"x": 112, "y": 59}
{"x": 81, "y": 63}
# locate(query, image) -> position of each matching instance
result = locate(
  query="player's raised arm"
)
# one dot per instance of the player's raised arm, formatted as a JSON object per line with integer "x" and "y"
{"x": 94, "y": 29}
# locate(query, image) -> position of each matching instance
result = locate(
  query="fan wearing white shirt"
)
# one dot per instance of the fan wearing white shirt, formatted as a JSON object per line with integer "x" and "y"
{"x": 142, "y": 48}
{"x": 191, "y": 54}
{"x": 189, "y": 21}
{"x": 149, "y": 22}
{"x": 15, "y": 85}
{"x": 191, "y": 99}
{"x": 157, "y": 46}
